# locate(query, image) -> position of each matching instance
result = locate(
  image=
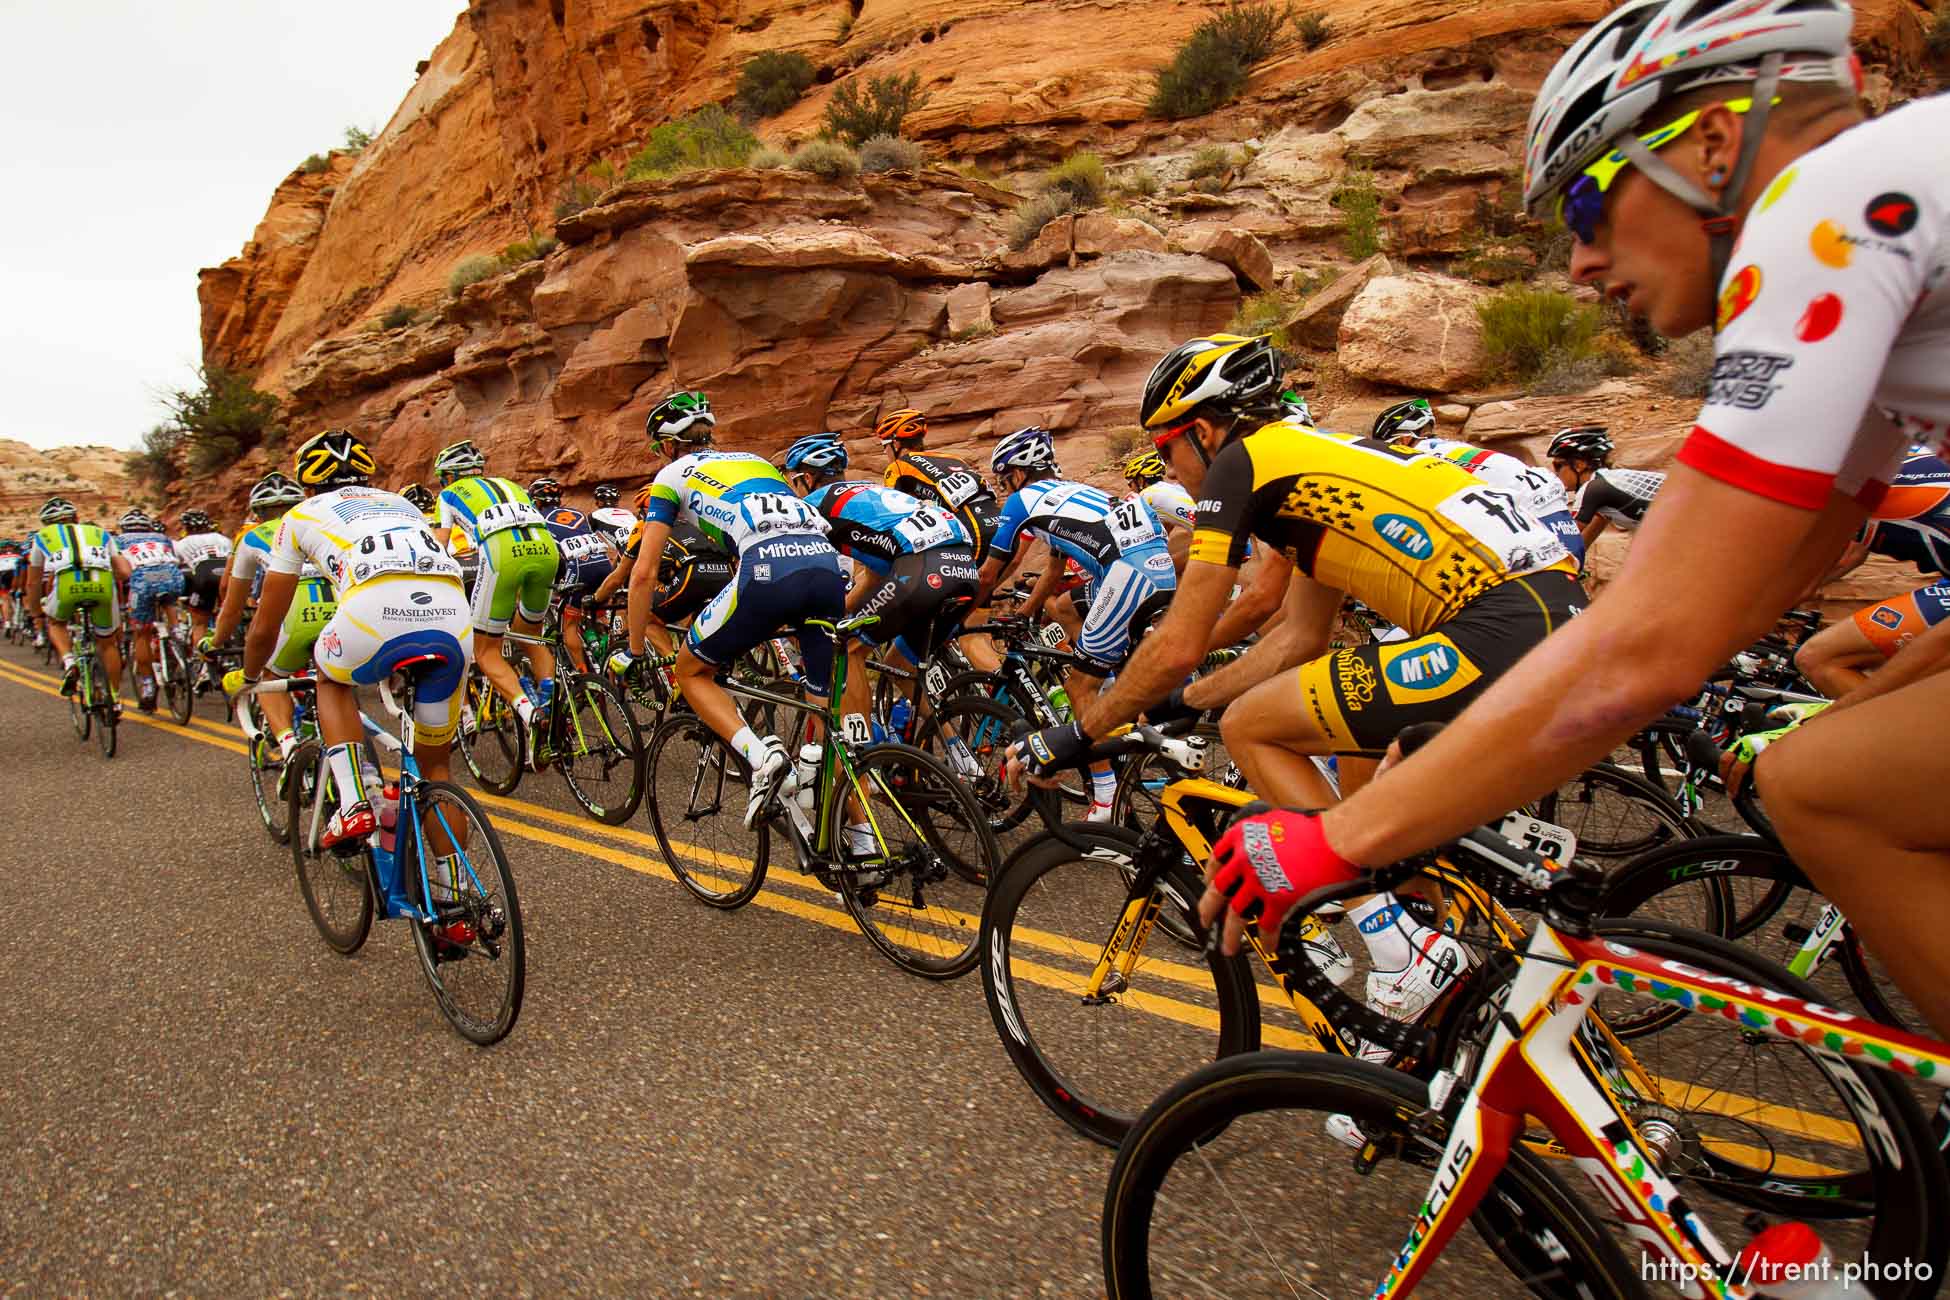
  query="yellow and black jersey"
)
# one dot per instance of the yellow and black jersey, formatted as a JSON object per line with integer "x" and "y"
{"x": 927, "y": 476}
{"x": 1413, "y": 536}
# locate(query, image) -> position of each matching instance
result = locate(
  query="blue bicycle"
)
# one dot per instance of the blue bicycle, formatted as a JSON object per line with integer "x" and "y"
{"x": 437, "y": 864}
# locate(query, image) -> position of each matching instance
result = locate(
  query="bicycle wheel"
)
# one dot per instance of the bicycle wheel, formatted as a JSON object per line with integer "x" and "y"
{"x": 472, "y": 953}
{"x": 492, "y": 741}
{"x": 698, "y": 786}
{"x": 176, "y": 690}
{"x": 1232, "y": 1185}
{"x": 266, "y": 763}
{"x": 971, "y": 735}
{"x": 1140, "y": 780}
{"x": 337, "y": 886}
{"x": 80, "y": 715}
{"x": 1055, "y": 914}
{"x": 1752, "y": 1122}
{"x": 598, "y": 749}
{"x": 917, "y": 893}
{"x": 1614, "y": 814}
{"x": 106, "y": 725}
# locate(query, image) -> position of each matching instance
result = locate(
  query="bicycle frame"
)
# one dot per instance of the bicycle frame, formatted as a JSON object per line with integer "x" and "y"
{"x": 1530, "y": 1071}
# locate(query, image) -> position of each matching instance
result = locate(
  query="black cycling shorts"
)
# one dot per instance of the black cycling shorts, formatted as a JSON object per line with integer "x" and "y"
{"x": 202, "y": 592}
{"x": 698, "y": 578}
{"x": 1361, "y": 697}
{"x": 922, "y": 598}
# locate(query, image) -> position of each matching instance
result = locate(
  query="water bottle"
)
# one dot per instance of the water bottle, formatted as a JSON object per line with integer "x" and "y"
{"x": 1789, "y": 1262}
{"x": 1060, "y": 699}
{"x": 897, "y": 717}
{"x": 527, "y": 686}
{"x": 808, "y": 772}
{"x": 387, "y": 806}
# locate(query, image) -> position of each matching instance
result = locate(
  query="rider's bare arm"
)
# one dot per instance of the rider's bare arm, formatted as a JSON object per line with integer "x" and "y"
{"x": 1169, "y": 654}
{"x": 1304, "y": 633}
{"x": 1045, "y": 587}
{"x": 643, "y": 582}
{"x": 1592, "y": 530}
{"x": 1923, "y": 656}
{"x": 1265, "y": 590}
{"x": 1663, "y": 625}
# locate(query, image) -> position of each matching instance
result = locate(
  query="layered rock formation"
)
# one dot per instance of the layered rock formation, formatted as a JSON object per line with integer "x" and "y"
{"x": 94, "y": 478}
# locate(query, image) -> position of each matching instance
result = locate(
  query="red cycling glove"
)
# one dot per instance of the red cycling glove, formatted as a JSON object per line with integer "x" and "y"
{"x": 1265, "y": 864}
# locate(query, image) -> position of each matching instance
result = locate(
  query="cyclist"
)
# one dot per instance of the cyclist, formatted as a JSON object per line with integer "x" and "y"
{"x": 787, "y": 573}
{"x": 1911, "y": 524}
{"x": 916, "y": 563}
{"x": 312, "y": 600}
{"x": 75, "y": 563}
{"x": 518, "y": 561}
{"x": 1537, "y": 494}
{"x": 399, "y": 598}
{"x": 1473, "y": 581}
{"x": 155, "y": 581}
{"x": 1832, "y": 314}
{"x": 608, "y": 514}
{"x": 424, "y": 501}
{"x": 1119, "y": 543}
{"x": 205, "y": 554}
{"x": 1602, "y": 496}
{"x": 12, "y": 562}
{"x": 1144, "y": 474}
{"x": 931, "y": 476}
{"x": 694, "y": 569}
{"x": 588, "y": 559}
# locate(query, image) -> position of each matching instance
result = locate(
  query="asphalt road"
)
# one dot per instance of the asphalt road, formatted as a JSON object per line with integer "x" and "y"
{"x": 198, "y": 1097}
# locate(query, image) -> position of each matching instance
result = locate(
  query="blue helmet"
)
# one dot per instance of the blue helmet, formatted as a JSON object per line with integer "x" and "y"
{"x": 1030, "y": 448}
{"x": 822, "y": 453}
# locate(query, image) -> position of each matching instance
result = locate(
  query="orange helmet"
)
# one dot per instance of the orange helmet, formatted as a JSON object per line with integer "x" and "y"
{"x": 904, "y": 425}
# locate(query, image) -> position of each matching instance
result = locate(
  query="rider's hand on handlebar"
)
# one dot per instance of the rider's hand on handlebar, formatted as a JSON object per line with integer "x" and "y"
{"x": 207, "y": 647}
{"x": 1042, "y": 754}
{"x": 623, "y": 664}
{"x": 1171, "y": 709}
{"x": 1262, "y": 866}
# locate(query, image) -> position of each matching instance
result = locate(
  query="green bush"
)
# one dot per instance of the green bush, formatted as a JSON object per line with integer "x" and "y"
{"x": 1689, "y": 364}
{"x": 576, "y": 195}
{"x": 709, "y": 137}
{"x": 473, "y": 270}
{"x": 1081, "y": 175}
{"x": 1210, "y": 160}
{"x": 219, "y": 420}
{"x": 1251, "y": 31}
{"x": 315, "y": 164}
{"x": 856, "y": 118}
{"x": 528, "y": 250}
{"x": 1038, "y": 212}
{"x": 155, "y": 464}
{"x": 890, "y": 153}
{"x": 1139, "y": 180}
{"x": 1311, "y": 29}
{"x": 357, "y": 138}
{"x": 209, "y": 455}
{"x": 828, "y": 159}
{"x": 1360, "y": 206}
{"x": 765, "y": 159}
{"x": 1265, "y": 313}
{"x": 1528, "y": 331}
{"x": 398, "y": 317}
{"x": 772, "y": 82}
{"x": 1209, "y": 69}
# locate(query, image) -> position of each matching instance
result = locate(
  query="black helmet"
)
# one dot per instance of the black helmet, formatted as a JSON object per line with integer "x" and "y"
{"x": 419, "y": 495}
{"x": 608, "y": 494}
{"x": 335, "y": 458}
{"x": 1413, "y": 418}
{"x": 1581, "y": 442}
{"x": 194, "y": 521}
{"x": 545, "y": 492}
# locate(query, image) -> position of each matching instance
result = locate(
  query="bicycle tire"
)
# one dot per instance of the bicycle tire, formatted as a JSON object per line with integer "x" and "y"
{"x": 1528, "y": 1222}
{"x": 1636, "y": 816}
{"x": 618, "y": 726}
{"x": 337, "y": 888}
{"x": 267, "y": 767}
{"x": 1085, "y": 1104}
{"x": 978, "y": 731}
{"x": 919, "y": 903}
{"x": 687, "y": 757}
{"x": 1901, "y": 1192}
{"x": 490, "y": 913}
{"x": 998, "y": 690}
{"x": 107, "y": 726}
{"x": 81, "y": 716}
{"x": 496, "y": 732}
{"x": 176, "y": 691}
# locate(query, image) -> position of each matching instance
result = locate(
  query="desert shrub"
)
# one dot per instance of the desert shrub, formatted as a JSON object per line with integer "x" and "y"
{"x": 1635, "y": 329}
{"x": 709, "y": 137}
{"x": 826, "y": 158}
{"x": 1210, "y": 160}
{"x": 765, "y": 159}
{"x": 576, "y": 195}
{"x": 217, "y": 421}
{"x": 472, "y": 270}
{"x": 1251, "y": 31}
{"x": 772, "y": 82}
{"x": 1210, "y": 68}
{"x": 1360, "y": 206}
{"x": 857, "y": 117}
{"x": 1311, "y": 29}
{"x": 315, "y": 164}
{"x": 890, "y": 153}
{"x": 1081, "y": 175}
{"x": 209, "y": 455}
{"x": 1119, "y": 447}
{"x": 528, "y": 250}
{"x": 1527, "y": 331}
{"x": 1265, "y": 313}
{"x": 357, "y": 138}
{"x": 1037, "y": 212}
{"x": 1690, "y": 364}
{"x": 155, "y": 464}
{"x": 398, "y": 317}
{"x": 1138, "y": 180}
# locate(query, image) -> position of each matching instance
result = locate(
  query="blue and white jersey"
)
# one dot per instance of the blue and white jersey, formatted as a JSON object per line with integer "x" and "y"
{"x": 877, "y": 525}
{"x": 148, "y": 550}
{"x": 1085, "y": 523}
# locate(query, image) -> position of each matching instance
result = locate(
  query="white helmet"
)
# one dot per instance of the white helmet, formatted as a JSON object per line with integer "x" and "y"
{"x": 1646, "y": 51}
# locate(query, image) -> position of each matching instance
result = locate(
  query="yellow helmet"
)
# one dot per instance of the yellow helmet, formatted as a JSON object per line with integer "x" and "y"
{"x": 1146, "y": 465}
{"x": 332, "y": 459}
{"x": 1228, "y": 368}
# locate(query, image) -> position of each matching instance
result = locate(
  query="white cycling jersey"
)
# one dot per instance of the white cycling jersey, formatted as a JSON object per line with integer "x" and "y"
{"x": 1170, "y": 502}
{"x": 614, "y": 518}
{"x": 356, "y": 534}
{"x": 1621, "y": 496}
{"x": 1538, "y": 492}
{"x": 198, "y": 547}
{"x": 1834, "y": 319}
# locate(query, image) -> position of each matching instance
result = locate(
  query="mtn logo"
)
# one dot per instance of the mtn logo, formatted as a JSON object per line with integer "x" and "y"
{"x": 1424, "y": 670}
{"x": 1405, "y": 535}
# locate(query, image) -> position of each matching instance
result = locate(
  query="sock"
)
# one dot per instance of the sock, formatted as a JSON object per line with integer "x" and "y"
{"x": 747, "y": 743}
{"x": 344, "y": 760}
{"x": 1103, "y": 786}
{"x": 859, "y": 838}
{"x": 67, "y": 661}
{"x": 287, "y": 741}
{"x": 524, "y": 709}
{"x": 1393, "y": 935}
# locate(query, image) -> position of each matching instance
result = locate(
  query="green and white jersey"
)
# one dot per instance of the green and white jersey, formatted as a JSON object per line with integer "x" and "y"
{"x": 72, "y": 548}
{"x": 487, "y": 506}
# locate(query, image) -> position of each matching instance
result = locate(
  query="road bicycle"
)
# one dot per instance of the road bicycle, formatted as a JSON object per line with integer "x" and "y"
{"x": 92, "y": 706}
{"x": 439, "y": 866}
{"x": 916, "y": 892}
{"x": 590, "y": 737}
{"x": 1221, "y": 1183}
{"x": 264, "y": 756}
{"x": 175, "y": 684}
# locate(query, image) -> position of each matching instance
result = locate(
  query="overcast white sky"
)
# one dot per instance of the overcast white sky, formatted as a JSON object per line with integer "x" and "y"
{"x": 142, "y": 142}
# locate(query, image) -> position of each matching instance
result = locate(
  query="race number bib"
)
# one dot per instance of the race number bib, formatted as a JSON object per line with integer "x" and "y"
{"x": 936, "y": 681}
{"x": 926, "y": 527}
{"x": 854, "y": 727}
{"x": 1130, "y": 525}
{"x": 581, "y": 546}
{"x": 398, "y": 550}
{"x": 1496, "y": 521}
{"x": 959, "y": 488}
{"x": 142, "y": 555}
{"x": 772, "y": 513}
{"x": 1051, "y": 635}
{"x": 507, "y": 514}
{"x": 1539, "y": 836}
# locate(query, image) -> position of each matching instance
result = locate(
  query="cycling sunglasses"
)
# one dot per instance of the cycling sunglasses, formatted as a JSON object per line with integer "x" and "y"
{"x": 1582, "y": 205}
